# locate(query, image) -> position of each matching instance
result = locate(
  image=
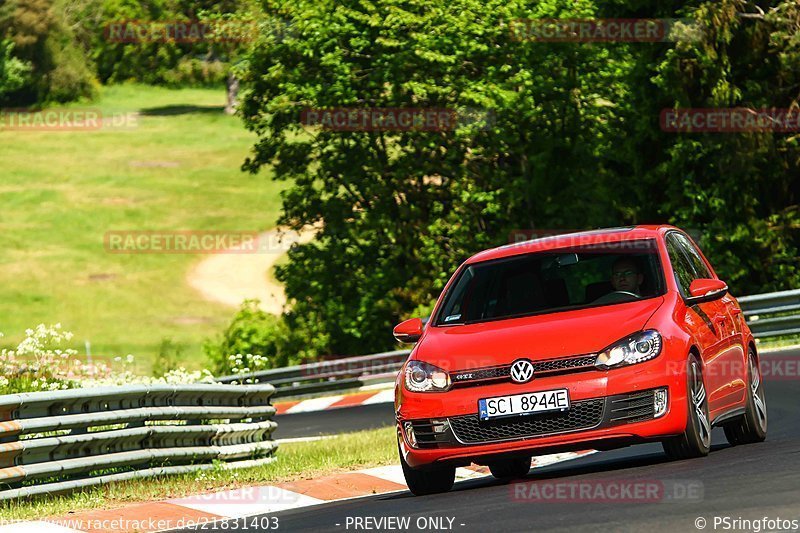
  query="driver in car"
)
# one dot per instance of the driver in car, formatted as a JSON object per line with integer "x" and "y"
{"x": 626, "y": 276}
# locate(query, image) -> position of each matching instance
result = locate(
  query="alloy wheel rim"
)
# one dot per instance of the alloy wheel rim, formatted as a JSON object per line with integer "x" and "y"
{"x": 699, "y": 404}
{"x": 757, "y": 393}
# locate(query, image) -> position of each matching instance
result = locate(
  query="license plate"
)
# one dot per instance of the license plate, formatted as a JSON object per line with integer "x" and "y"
{"x": 523, "y": 404}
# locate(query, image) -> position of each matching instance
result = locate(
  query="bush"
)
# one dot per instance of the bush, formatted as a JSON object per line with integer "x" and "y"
{"x": 69, "y": 77}
{"x": 13, "y": 72}
{"x": 39, "y": 363}
{"x": 254, "y": 340}
{"x": 195, "y": 71}
{"x": 169, "y": 353}
{"x": 172, "y": 62}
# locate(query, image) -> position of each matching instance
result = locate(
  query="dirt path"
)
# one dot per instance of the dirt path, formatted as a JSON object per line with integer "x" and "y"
{"x": 230, "y": 277}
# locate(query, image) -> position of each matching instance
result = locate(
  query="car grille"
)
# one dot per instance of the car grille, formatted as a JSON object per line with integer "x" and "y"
{"x": 632, "y": 408}
{"x": 581, "y": 415}
{"x": 425, "y": 434}
{"x": 564, "y": 364}
{"x": 552, "y": 366}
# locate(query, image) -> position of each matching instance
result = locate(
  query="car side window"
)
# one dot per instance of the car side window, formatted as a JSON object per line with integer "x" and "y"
{"x": 683, "y": 268}
{"x": 700, "y": 268}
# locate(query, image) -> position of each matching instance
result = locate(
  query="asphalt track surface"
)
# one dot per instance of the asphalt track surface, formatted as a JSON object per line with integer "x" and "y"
{"x": 750, "y": 482}
{"x": 334, "y": 421}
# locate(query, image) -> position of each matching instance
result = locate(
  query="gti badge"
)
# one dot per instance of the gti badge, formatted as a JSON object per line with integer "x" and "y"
{"x": 521, "y": 371}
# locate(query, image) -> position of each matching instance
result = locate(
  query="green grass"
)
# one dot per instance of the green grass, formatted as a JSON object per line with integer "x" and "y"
{"x": 776, "y": 343}
{"x": 60, "y": 192}
{"x": 296, "y": 460}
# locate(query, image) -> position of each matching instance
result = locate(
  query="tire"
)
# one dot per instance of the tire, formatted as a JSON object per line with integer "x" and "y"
{"x": 428, "y": 481}
{"x": 509, "y": 469}
{"x": 752, "y": 426}
{"x": 696, "y": 439}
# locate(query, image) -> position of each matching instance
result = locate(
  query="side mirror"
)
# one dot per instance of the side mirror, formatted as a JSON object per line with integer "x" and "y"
{"x": 408, "y": 331}
{"x": 705, "y": 290}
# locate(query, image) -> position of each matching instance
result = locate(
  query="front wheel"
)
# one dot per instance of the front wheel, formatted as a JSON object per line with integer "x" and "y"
{"x": 696, "y": 440}
{"x": 424, "y": 482}
{"x": 752, "y": 426}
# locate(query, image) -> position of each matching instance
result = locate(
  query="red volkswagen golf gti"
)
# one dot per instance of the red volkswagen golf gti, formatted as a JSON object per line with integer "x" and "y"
{"x": 593, "y": 340}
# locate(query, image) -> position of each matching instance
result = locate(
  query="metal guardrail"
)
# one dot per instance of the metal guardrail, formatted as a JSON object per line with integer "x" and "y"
{"x": 326, "y": 376}
{"x": 353, "y": 372}
{"x": 759, "y": 310}
{"x": 65, "y": 440}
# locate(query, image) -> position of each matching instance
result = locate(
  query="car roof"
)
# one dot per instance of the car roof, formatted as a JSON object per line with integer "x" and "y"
{"x": 597, "y": 236}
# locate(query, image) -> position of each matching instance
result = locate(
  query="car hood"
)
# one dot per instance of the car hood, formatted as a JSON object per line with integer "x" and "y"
{"x": 552, "y": 335}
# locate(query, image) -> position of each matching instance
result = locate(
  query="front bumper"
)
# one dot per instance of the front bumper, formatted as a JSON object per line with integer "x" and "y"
{"x": 609, "y": 409}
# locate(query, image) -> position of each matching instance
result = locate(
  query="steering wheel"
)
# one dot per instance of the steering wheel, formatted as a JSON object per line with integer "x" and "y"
{"x": 616, "y": 296}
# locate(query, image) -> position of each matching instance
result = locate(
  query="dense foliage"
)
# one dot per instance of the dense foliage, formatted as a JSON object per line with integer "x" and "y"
{"x": 13, "y": 72}
{"x": 56, "y": 67}
{"x": 576, "y": 143}
{"x": 204, "y": 61}
{"x": 70, "y": 45}
{"x": 740, "y": 190}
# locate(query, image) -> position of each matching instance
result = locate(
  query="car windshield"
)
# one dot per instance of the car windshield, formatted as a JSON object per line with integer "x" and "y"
{"x": 555, "y": 280}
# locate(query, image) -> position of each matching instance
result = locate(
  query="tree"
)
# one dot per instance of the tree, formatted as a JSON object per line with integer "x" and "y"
{"x": 59, "y": 71}
{"x": 223, "y": 31}
{"x": 575, "y": 143}
{"x": 401, "y": 209}
{"x": 740, "y": 190}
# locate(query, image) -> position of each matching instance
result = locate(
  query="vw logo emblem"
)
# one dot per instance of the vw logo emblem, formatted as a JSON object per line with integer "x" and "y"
{"x": 522, "y": 371}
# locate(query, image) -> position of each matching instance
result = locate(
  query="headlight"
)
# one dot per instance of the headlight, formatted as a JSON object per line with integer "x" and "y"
{"x": 637, "y": 348}
{"x": 423, "y": 377}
